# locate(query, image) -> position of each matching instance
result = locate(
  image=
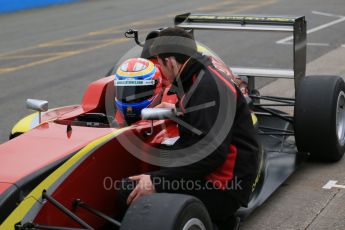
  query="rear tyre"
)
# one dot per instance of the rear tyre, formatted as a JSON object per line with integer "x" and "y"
{"x": 320, "y": 117}
{"x": 167, "y": 211}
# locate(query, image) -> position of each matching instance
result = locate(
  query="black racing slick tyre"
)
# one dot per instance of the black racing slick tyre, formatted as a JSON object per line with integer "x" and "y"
{"x": 320, "y": 117}
{"x": 168, "y": 212}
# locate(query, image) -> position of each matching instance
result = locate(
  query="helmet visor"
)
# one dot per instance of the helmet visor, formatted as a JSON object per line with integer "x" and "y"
{"x": 134, "y": 91}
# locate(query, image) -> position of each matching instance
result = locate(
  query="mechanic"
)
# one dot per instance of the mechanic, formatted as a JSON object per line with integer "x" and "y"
{"x": 228, "y": 171}
{"x": 138, "y": 85}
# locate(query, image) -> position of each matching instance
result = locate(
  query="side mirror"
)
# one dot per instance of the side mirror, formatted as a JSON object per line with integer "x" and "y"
{"x": 37, "y": 105}
{"x": 157, "y": 114}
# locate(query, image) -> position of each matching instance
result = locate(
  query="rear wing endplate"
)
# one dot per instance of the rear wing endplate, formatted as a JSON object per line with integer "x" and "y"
{"x": 294, "y": 25}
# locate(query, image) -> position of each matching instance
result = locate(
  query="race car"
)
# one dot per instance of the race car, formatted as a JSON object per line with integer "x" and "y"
{"x": 61, "y": 167}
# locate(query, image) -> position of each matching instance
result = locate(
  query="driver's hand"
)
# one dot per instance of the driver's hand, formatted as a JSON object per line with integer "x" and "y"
{"x": 144, "y": 187}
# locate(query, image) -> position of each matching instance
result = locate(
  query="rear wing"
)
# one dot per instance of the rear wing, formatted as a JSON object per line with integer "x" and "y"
{"x": 294, "y": 25}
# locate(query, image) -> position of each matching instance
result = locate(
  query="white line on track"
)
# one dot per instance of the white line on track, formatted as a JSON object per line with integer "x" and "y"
{"x": 339, "y": 20}
{"x": 308, "y": 44}
{"x": 317, "y": 44}
{"x": 327, "y": 14}
{"x": 332, "y": 184}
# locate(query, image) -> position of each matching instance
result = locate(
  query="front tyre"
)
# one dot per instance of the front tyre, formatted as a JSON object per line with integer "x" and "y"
{"x": 167, "y": 211}
{"x": 320, "y": 117}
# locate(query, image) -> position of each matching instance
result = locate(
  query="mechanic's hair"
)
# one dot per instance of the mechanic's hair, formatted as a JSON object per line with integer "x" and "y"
{"x": 181, "y": 44}
{"x": 146, "y": 52}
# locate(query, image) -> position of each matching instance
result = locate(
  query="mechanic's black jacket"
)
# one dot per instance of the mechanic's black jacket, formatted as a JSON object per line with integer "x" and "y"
{"x": 211, "y": 136}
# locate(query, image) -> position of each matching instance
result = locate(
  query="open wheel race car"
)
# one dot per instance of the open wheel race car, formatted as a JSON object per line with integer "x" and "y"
{"x": 58, "y": 169}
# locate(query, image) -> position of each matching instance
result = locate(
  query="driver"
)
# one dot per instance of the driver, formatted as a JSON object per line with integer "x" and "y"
{"x": 138, "y": 85}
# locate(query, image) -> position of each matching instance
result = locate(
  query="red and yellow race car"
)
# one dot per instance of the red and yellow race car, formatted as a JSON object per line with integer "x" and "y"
{"x": 61, "y": 168}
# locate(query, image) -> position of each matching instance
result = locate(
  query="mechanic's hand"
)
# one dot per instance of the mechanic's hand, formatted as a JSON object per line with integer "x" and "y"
{"x": 166, "y": 105}
{"x": 144, "y": 187}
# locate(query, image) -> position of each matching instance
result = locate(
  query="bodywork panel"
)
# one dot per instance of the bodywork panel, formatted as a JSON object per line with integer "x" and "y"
{"x": 280, "y": 159}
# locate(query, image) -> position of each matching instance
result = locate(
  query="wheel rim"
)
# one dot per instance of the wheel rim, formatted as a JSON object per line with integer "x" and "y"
{"x": 194, "y": 224}
{"x": 340, "y": 118}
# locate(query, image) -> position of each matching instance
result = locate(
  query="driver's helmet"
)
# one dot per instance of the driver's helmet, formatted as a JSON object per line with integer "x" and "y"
{"x": 138, "y": 85}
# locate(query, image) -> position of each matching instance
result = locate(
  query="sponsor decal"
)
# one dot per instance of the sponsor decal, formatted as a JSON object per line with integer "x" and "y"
{"x": 129, "y": 109}
{"x": 134, "y": 82}
{"x": 241, "y": 18}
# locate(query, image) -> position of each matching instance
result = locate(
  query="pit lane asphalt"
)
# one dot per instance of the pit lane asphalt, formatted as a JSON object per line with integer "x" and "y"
{"x": 54, "y": 53}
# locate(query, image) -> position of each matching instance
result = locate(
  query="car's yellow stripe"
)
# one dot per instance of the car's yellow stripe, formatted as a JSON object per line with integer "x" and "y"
{"x": 24, "y": 124}
{"x": 254, "y": 119}
{"x": 24, "y": 207}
